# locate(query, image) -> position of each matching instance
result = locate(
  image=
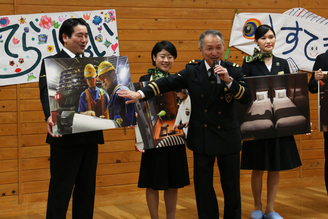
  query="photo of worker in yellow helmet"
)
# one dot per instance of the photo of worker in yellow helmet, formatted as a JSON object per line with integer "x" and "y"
{"x": 121, "y": 113}
{"x": 82, "y": 93}
{"x": 93, "y": 101}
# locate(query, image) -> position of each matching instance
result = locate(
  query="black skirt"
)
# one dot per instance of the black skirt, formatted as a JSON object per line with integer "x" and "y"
{"x": 272, "y": 154}
{"x": 164, "y": 168}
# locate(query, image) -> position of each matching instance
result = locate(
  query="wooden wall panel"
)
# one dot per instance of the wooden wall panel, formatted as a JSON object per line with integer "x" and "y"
{"x": 8, "y": 177}
{"x": 8, "y": 141}
{"x": 8, "y": 93}
{"x": 9, "y": 189}
{"x": 8, "y": 105}
{"x": 8, "y": 153}
{"x": 7, "y": 7}
{"x": 24, "y": 155}
{"x": 35, "y": 187}
{"x": 36, "y": 163}
{"x": 8, "y": 165}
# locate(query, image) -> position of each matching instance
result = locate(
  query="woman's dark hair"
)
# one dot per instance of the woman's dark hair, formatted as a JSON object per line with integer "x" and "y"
{"x": 168, "y": 46}
{"x": 68, "y": 27}
{"x": 262, "y": 30}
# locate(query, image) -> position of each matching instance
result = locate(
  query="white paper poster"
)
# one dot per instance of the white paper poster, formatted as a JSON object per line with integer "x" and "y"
{"x": 300, "y": 35}
{"x": 26, "y": 39}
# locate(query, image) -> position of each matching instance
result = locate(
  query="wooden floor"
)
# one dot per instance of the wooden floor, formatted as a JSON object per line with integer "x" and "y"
{"x": 291, "y": 203}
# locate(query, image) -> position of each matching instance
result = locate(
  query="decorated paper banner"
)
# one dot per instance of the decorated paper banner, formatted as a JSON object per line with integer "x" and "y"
{"x": 26, "y": 39}
{"x": 300, "y": 35}
{"x": 82, "y": 93}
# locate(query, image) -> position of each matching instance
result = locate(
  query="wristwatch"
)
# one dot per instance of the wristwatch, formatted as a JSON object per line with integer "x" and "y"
{"x": 230, "y": 80}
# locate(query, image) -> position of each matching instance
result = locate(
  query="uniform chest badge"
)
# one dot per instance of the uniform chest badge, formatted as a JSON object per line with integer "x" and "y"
{"x": 228, "y": 97}
{"x": 187, "y": 112}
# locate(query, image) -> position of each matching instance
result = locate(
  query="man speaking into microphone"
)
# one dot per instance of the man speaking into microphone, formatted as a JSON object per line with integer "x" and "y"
{"x": 218, "y": 80}
{"x": 213, "y": 127}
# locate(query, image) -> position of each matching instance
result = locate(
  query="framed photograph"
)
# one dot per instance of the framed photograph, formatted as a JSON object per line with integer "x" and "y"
{"x": 279, "y": 107}
{"x": 82, "y": 93}
{"x": 156, "y": 118}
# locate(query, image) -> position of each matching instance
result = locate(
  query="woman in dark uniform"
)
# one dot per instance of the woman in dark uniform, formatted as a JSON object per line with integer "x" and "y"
{"x": 272, "y": 155}
{"x": 320, "y": 65}
{"x": 164, "y": 168}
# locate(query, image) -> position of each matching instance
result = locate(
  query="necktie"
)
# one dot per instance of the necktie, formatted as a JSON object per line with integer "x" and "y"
{"x": 212, "y": 77}
{"x": 77, "y": 56}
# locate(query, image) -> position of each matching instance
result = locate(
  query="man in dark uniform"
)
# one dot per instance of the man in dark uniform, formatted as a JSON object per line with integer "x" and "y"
{"x": 321, "y": 65}
{"x": 73, "y": 157}
{"x": 213, "y": 126}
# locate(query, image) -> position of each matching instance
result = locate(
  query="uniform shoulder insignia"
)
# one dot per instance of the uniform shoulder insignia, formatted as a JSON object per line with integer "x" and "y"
{"x": 232, "y": 64}
{"x": 194, "y": 62}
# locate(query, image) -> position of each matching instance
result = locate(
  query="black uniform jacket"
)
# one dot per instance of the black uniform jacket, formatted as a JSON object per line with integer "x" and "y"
{"x": 213, "y": 126}
{"x": 258, "y": 68}
{"x": 320, "y": 62}
{"x": 95, "y": 137}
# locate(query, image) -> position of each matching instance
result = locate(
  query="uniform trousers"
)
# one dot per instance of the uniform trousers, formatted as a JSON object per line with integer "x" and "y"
{"x": 72, "y": 168}
{"x": 229, "y": 167}
{"x": 325, "y": 134}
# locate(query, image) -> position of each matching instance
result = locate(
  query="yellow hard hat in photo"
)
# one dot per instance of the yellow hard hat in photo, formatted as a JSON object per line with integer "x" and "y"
{"x": 105, "y": 67}
{"x": 90, "y": 71}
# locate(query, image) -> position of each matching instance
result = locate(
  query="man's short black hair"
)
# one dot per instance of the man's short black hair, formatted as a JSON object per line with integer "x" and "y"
{"x": 168, "y": 46}
{"x": 68, "y": 27}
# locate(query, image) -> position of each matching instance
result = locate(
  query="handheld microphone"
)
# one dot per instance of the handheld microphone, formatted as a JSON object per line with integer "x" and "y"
{"x": 218, "y": 79}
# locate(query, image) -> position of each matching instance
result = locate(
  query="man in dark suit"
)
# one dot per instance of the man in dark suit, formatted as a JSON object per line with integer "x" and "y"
{"x": 73, "y": 157}
{"x": 321, "y": 64}
{"x": 213, "y": 127}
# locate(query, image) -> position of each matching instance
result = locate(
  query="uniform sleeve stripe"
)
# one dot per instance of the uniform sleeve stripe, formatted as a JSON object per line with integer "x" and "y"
{"x": 154, "y": 90}
{"x": 240, "y": 93}
{"x": 156, "y": 87}
{"x": 240, "y": 90}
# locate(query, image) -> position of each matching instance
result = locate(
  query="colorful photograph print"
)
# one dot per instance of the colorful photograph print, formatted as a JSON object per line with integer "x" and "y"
{"x": 82, "y": 93}
{"x": 161, "y": 121}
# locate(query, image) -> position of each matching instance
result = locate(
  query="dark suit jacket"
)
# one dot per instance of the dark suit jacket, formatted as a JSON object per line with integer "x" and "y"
{"x": 95, "y": 137}
{"x": 145, "y": 78}
{"x": 213, "y": 125}
{"x": 320, "y": 62}
{"x": 258, "y": 68}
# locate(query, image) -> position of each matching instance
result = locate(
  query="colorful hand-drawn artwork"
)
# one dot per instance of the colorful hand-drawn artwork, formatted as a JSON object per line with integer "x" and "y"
{"x": 82, "y": 93}
{"x": 33, "y": 37}
{"x": 280, "y": 107}
{"x": 299, "y": 35}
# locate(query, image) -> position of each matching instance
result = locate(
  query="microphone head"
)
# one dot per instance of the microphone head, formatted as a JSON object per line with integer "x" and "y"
{"x": 215, "y": 63}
